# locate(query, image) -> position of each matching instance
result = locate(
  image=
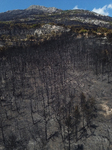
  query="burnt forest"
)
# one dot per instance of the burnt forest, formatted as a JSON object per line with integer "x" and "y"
{"x": 55, "y": 80}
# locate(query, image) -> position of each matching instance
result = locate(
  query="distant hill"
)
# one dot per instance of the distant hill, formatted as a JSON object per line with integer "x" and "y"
{"x": 32, "y": 10}
{"x": 53, "y": 14}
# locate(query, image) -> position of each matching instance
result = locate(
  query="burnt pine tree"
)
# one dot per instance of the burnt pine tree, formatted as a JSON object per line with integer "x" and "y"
{"x": 77, "y": 120}
{"x": 82, "y": 103}
{"x": 90, "y": 111}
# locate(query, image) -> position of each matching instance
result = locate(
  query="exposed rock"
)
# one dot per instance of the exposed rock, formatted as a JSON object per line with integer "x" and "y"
{"x": 43, "y": 8}
{"x": 91, "y": 21}
{"x": 46, "y": 29}
{"x": 32, "y": 10}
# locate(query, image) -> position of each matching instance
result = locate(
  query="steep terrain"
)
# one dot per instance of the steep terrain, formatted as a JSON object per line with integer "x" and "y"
{"x": 55, "y": 83}
{"x": 32, "y": 10}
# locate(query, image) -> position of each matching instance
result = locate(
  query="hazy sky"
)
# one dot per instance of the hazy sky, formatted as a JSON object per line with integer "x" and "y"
{"x": 100, "y": 6}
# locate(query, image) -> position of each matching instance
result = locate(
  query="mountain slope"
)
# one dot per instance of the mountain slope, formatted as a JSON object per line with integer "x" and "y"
{"x": 38, "y": 84}
{"x": 59, "y": 16}
{"x": 55, "y": 81}
{"x": 32, "y": 10}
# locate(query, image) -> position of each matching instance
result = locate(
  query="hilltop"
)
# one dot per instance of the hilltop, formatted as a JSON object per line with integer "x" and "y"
{"x": 35, "y": 12}
{"x": 18, "y": 27}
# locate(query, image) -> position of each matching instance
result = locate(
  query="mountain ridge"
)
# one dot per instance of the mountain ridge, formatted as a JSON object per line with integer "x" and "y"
{"x": 49, "y": 9}
{"x": 39, "y": 10}
{"x": 32, "y": 10}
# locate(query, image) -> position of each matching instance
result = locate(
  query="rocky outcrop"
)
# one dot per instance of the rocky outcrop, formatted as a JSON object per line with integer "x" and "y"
{"x": 92, "y": 21}
{"x": 48, "y": 29}
{"x": 43, "y": 8}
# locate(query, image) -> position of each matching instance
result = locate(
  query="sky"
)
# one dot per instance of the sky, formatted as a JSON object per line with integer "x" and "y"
{"x": 103, "y": 7}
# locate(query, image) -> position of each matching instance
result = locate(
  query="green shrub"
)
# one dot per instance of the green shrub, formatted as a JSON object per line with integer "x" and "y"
{"x": 83, "y": 31}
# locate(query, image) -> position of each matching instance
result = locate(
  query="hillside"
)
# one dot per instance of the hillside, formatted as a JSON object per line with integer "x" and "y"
{"x": 18, "y": 27}
{"x": 56, "y": 81}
